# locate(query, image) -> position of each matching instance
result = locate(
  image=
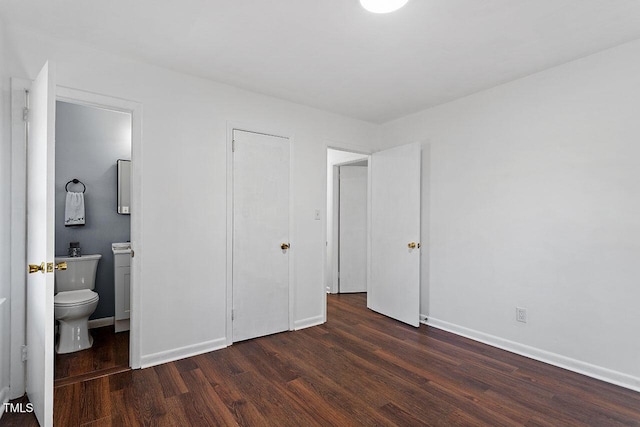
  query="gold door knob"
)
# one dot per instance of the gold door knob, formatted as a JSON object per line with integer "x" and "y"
{"x": 413, "y": 245}
{"x": 61, "y": 266}
{"x": 285, "y": 246}
{"x": 34, "y": 268}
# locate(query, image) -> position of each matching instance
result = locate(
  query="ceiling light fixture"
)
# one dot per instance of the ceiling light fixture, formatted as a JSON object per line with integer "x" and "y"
{"x": 382, "y": 6}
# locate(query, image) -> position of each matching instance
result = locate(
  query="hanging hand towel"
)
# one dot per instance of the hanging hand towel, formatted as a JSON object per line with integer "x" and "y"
{"x": 74, "y": 209}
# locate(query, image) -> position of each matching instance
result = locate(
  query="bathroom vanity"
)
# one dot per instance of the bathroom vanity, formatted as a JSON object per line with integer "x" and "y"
{"x": 122, "y": 280}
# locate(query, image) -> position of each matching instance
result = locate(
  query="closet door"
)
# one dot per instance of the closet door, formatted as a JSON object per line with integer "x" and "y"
{"x": 261, "y": 250}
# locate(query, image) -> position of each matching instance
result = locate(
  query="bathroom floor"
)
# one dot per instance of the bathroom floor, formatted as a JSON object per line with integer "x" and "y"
{"x": 108, "y": 355}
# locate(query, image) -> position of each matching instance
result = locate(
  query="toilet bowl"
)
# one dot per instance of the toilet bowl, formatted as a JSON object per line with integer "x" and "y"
{"x": 75, "y": 301}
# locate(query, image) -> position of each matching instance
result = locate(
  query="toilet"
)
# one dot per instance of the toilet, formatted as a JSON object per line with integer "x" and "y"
{"x": 75, "y": 301}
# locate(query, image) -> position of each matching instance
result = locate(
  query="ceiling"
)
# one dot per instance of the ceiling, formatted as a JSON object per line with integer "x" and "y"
{"x": 332, "y": 54}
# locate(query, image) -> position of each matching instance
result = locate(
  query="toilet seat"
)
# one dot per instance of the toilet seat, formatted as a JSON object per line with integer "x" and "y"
{"x": 75, "y": 298}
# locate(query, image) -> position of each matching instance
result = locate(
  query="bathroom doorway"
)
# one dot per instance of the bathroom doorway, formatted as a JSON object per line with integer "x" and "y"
{"x": 347, "y": 195}
{"x": 90, "y": 142}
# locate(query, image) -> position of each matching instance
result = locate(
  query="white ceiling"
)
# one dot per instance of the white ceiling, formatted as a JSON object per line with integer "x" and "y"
{"x": 332, "y": 54}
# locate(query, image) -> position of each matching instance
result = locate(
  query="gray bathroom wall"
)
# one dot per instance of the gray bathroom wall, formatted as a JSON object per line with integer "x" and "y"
{"x": 89, "y": 141}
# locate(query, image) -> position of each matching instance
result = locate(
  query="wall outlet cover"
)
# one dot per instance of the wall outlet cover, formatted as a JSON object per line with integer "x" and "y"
{"x": 521, "y": 314}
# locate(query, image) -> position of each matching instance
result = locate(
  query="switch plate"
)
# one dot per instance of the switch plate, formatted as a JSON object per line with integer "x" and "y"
{"x": 521, "y": 314}
{"x": 317, "y": 215}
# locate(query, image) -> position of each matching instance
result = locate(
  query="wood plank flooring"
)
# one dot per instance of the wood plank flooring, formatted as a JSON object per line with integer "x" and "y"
{"x": 108, "y": 355}
{"x": 359, "y": 368}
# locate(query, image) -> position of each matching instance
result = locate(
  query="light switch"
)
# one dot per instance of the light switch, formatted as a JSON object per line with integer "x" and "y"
{"x": 317, "y": 217}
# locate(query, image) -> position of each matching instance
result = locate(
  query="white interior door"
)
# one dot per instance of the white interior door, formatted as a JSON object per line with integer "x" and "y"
{"x": 260, "y": 235}
{"x": 353, "y": 229}
{"x": 394, "y": 264}
{"x": 40, "y": 243}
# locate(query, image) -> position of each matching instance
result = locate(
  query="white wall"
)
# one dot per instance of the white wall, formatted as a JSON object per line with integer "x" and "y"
{"x": 535, "y": 202}
{"x": 184, "y": 184}
{"x": 335, "y": 157}
{"x": 5, "y": 216}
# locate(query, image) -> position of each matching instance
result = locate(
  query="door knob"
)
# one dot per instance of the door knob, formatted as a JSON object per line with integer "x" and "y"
{"x": 413, "y": 245}
{"x": 58, "y": 266}
{"x": 285, "y": 246}
{"x": 34, "y": 268}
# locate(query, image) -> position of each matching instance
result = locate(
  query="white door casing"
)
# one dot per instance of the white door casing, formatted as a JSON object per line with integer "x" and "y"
{"x": 260, "y": 267}
{"x": 394, "y": 267}
{"x": 353, "y": 229}
{"x": 40, "y": 243}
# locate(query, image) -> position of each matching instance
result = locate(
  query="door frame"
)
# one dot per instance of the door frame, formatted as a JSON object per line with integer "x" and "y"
{"x": 18, "y": 217}
{"x": 231, "y": 126}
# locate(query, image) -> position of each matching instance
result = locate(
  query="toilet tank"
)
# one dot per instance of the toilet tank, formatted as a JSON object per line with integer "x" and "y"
{"x": 80, "y": 273}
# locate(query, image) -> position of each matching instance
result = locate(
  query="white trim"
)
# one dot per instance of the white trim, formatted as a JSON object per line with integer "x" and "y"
{"x": 122, "y": 325}
{"x": 229, "y": 253}
{"x": 335, "y": 231}
{"x": 135, "y": 109}
{"x": 309, "y": 322}
{"x": 423, "y": 319}
{"x": 4, "y": 398}
{"x": 182, "y": 352}
{"x": 584, "y": 368}
{"x": 292, "y": 238}
{"x": 231, "y": 126}
{"x": 18, "y": 236}
{"x": 102, "y": 322}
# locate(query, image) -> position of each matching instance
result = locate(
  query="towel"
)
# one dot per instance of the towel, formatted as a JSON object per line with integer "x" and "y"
{"x": 74, "y": 209}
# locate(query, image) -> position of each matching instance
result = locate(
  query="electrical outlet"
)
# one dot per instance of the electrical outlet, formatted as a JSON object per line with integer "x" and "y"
{"x": 521, "y": 314}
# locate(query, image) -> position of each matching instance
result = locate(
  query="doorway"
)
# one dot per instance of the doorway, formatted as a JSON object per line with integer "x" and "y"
{"x": 33, "y": 230}
{"x": 347, "y": 189}
{"x": 91, "y": 144}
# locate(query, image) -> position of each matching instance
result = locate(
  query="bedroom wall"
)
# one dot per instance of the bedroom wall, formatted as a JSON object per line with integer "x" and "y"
{"x": 534, "y": 188}
{"x": 183, "y": 164}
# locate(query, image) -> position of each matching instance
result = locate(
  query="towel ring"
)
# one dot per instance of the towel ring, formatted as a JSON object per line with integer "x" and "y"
{"x": 75, "y": 181}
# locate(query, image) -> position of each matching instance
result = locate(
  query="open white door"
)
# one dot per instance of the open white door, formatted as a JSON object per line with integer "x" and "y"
{"x": 40, "y": 244}
{"x": 394, "y": 257}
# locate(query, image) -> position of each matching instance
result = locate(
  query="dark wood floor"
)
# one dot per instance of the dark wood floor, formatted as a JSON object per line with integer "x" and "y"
{"x": 108, "y": 355}
{"x": 359, "y": 368}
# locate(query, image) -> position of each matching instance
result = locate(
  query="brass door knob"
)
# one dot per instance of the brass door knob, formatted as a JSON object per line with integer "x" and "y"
{"x": 34, "y": 268}
{"x": 413, "y": 245}
{"x": 58, "y": 266}
{"x": 285, "y": 246}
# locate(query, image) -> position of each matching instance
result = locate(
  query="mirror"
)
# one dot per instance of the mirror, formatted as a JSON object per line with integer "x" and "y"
{"x": 124, "y": 187}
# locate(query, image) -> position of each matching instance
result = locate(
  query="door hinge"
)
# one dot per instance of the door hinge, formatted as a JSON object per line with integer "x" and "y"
{"x": 233, "y": 314}
{"x": 25, "y": 114}
{"x": 233, "y": 145}
{"x": 24, "y": 353}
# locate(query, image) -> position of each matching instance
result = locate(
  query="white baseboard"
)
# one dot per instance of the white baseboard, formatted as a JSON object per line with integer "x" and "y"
{"x": 99, "y": 323}
{"x": 614, "y": 377}
{"x": 181, "y": 353}
{"x": 122, "y": 325}
{"x": 4, "y": 398}
{"x": 308, "y": 322}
